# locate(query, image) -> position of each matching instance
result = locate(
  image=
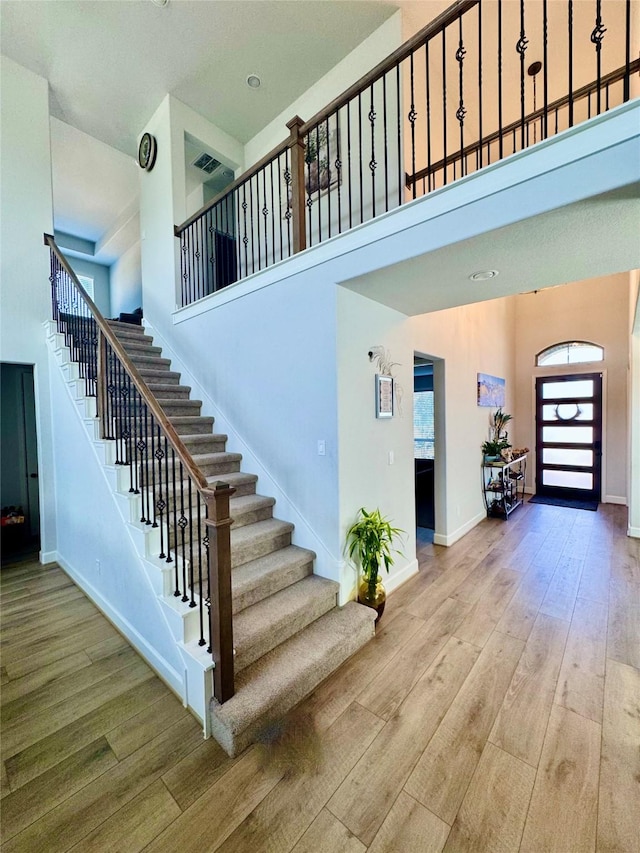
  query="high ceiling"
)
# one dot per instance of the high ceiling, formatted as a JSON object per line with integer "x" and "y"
{"x": 110, "y": 62}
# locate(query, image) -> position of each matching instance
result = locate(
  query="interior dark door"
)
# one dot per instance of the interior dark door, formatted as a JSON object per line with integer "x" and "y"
{"x": 569, "y": 436}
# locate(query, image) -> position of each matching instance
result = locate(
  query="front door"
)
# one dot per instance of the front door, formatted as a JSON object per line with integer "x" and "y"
{"x": 569, "y": 436}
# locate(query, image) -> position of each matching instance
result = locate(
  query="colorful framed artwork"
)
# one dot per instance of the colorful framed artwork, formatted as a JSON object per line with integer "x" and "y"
{"x": 491, "y": 390}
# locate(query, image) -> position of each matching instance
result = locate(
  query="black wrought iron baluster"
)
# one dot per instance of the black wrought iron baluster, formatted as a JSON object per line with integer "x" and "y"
{"x": 196, "y": 259}
{"x": 211, "y": 284}
{"x": 338, "y": 165}
{"x": 479, "y": 149}
{"x": 399, "y": 135}
{"x": 544, "y": 124}
{"x": 182, "y": 523}
{"x": 307, "y": 183}
{"x": 201, "y": 603}
{"x": 372, "y": 163}
{"x": 192, "y": 602}
{"x": 265, "y": 213}
{"x": 174, "y": 503}
{"x": 254, "y": 243}
{"x": 205, "y": 542}
{"x": 280, "y": 228}
{"x": 500, "y": 143}
{"x": 570, "y": 23}
{"x": 183, "y": 272}
{"x": 152, "y": 424}
{"x": 606, "y": 93}
{"x": 361, "y": 183}
{"x": 328, "y": 177}
{"x": 596, "y": 38}
{"x": 461, "y": 111}
{"x": 349, "y": 163}
{"x": 185, "y": 597}
{"x": 319, "y": 173}
{"x": 142, "y": 457}
{"x": 129, "y": 429}
{"x": 160, "y": 503}
{"x": 627, "y": 53}
{"x": 134, "y": 441}
{"x": 384, "y": 141}
{"x": 245, "y": 239}
{"x": 427, "y": 62}
{"x": 147, "y": 479}
{"x": 273, "y": 214}
{"x": 589, "y": 105}
{"x": 521, "y": 47}
{"x": 412, "y": 116}
{"x": 118, "y": 409}
{"x": 287, "y": 190}
{"x": 444, "y": 103}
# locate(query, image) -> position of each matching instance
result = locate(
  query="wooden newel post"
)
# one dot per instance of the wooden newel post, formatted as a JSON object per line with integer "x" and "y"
{"x": 218, "y": 525}
{"x": 297, "y": 148}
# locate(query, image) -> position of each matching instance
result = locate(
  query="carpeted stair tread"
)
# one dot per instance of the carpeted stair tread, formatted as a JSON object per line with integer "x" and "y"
{"x": 167, "y": 391}
{"x": 260, "y": 628}
{"x": 257, "y": 579}
{"x": 150, "y": 360}
{"x": 134, "y": 347}
{"x": 276, "y": 682}
{"x": 192, "y": 424}
{"x": 117, "y": 325}
{"x": 136, "y": 338}
{"x": 256, "y": 540}
{"x": 163, "y": 375}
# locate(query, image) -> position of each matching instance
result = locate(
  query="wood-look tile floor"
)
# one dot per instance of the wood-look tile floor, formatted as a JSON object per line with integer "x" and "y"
{"x": 497, "y": 709}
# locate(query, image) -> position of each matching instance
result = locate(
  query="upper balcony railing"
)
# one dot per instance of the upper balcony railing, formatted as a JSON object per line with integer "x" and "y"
{"x": 485, "y": 79}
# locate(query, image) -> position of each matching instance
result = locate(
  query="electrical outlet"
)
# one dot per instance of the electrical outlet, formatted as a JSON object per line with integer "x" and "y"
{"x": 391, "y": 457}
{"x": 98, "y": 567}
{"x": 321, "y": 447}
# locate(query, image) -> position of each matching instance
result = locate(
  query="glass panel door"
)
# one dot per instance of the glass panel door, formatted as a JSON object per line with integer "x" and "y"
{"x": 569, "y": 436}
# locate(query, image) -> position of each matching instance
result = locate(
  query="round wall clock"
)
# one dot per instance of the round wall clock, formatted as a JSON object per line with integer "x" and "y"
{"x": 147, "y": 151}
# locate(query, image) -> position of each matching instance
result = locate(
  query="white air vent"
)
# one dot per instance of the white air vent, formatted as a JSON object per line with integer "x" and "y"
{"x": 206, "y": 163}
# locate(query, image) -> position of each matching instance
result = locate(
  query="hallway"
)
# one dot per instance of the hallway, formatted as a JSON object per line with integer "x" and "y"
{"x": 498, "y": 708}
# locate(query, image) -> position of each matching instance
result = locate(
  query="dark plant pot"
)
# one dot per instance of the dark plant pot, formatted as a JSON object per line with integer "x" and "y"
{"x": 376, "y": 601}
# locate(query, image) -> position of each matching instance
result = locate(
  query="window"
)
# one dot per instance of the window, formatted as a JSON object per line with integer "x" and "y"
{"x": 570, "y": 352}
{"x": 423, "y": 425}
{"x": 87, "y": 283}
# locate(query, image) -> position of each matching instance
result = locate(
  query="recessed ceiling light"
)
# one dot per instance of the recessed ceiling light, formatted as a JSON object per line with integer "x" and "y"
{"x": 483, "y": 275}
{"x": 253, "y": 81}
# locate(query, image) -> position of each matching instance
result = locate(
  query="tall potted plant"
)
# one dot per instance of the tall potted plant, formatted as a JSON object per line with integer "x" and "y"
{"x": 370, "y": 542}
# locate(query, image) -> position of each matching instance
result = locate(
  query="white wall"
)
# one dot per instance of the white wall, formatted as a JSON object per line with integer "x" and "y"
{"x": 361, "y": 60}
{"x": 93, "y": 544}
{"x": 26, "y": 213}
{"x": 126, "y": 284}
{"x": 367, "y": 476}
{"x": 470, "y": 339}
{"x": 634, "y": 404}
{"x": 596, "y": 310}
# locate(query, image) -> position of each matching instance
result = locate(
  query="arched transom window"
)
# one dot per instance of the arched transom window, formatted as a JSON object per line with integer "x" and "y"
{"x": 570, "y": 352}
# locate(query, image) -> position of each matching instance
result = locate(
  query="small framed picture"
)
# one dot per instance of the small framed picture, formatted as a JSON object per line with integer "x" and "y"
{"x": 384, "y": 396}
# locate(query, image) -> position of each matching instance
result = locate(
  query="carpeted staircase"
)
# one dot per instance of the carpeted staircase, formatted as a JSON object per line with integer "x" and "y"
{"x": 288, "y": 632}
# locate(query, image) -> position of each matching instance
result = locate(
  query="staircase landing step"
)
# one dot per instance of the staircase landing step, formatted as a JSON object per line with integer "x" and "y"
{"x": 275, "y": 683}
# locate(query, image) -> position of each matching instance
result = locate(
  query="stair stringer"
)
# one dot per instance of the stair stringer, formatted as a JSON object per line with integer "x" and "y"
{"x": 194, "y": 683}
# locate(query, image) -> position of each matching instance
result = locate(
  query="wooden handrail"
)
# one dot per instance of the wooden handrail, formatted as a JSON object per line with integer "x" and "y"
{"x": 578, "y": 95}
{"x": 455, "y": 11}
{"x": 238, "y": 182}
{"x": 152, "y": 404}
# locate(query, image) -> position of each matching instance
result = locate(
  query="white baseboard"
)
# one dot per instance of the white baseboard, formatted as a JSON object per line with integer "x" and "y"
{"x": 164, "y": 670}
{"x": 448, "y": 539}
{"x": 48, "y": 557}
{"x": 614, "y": 499}
{"x": 392, "y": 582}
{"x": 633, "y": 532}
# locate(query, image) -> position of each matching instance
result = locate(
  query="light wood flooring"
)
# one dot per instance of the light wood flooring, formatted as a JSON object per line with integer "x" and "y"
{"x": 497, "y": 709}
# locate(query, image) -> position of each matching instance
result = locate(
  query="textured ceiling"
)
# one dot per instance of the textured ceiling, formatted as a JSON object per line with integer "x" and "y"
{"x": 109, "y": 64}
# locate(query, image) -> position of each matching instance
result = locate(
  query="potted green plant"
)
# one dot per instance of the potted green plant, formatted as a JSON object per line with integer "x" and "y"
{"x": 492, "y": 449}
{"x": 370, "y": 542}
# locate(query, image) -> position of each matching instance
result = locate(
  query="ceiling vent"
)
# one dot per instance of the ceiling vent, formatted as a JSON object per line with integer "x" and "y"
{"x": 206, "y": 163}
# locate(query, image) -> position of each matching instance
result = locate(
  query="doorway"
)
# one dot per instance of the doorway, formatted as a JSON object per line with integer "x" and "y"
{"x": 424, "y": 447}
{"x": 20, "y": 498}
{"x": 569, "y": 437}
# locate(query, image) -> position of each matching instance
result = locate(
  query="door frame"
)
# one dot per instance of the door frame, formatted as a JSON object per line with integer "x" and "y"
{"x": 571, "y": 372}
{"x": 440, "y": 529}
